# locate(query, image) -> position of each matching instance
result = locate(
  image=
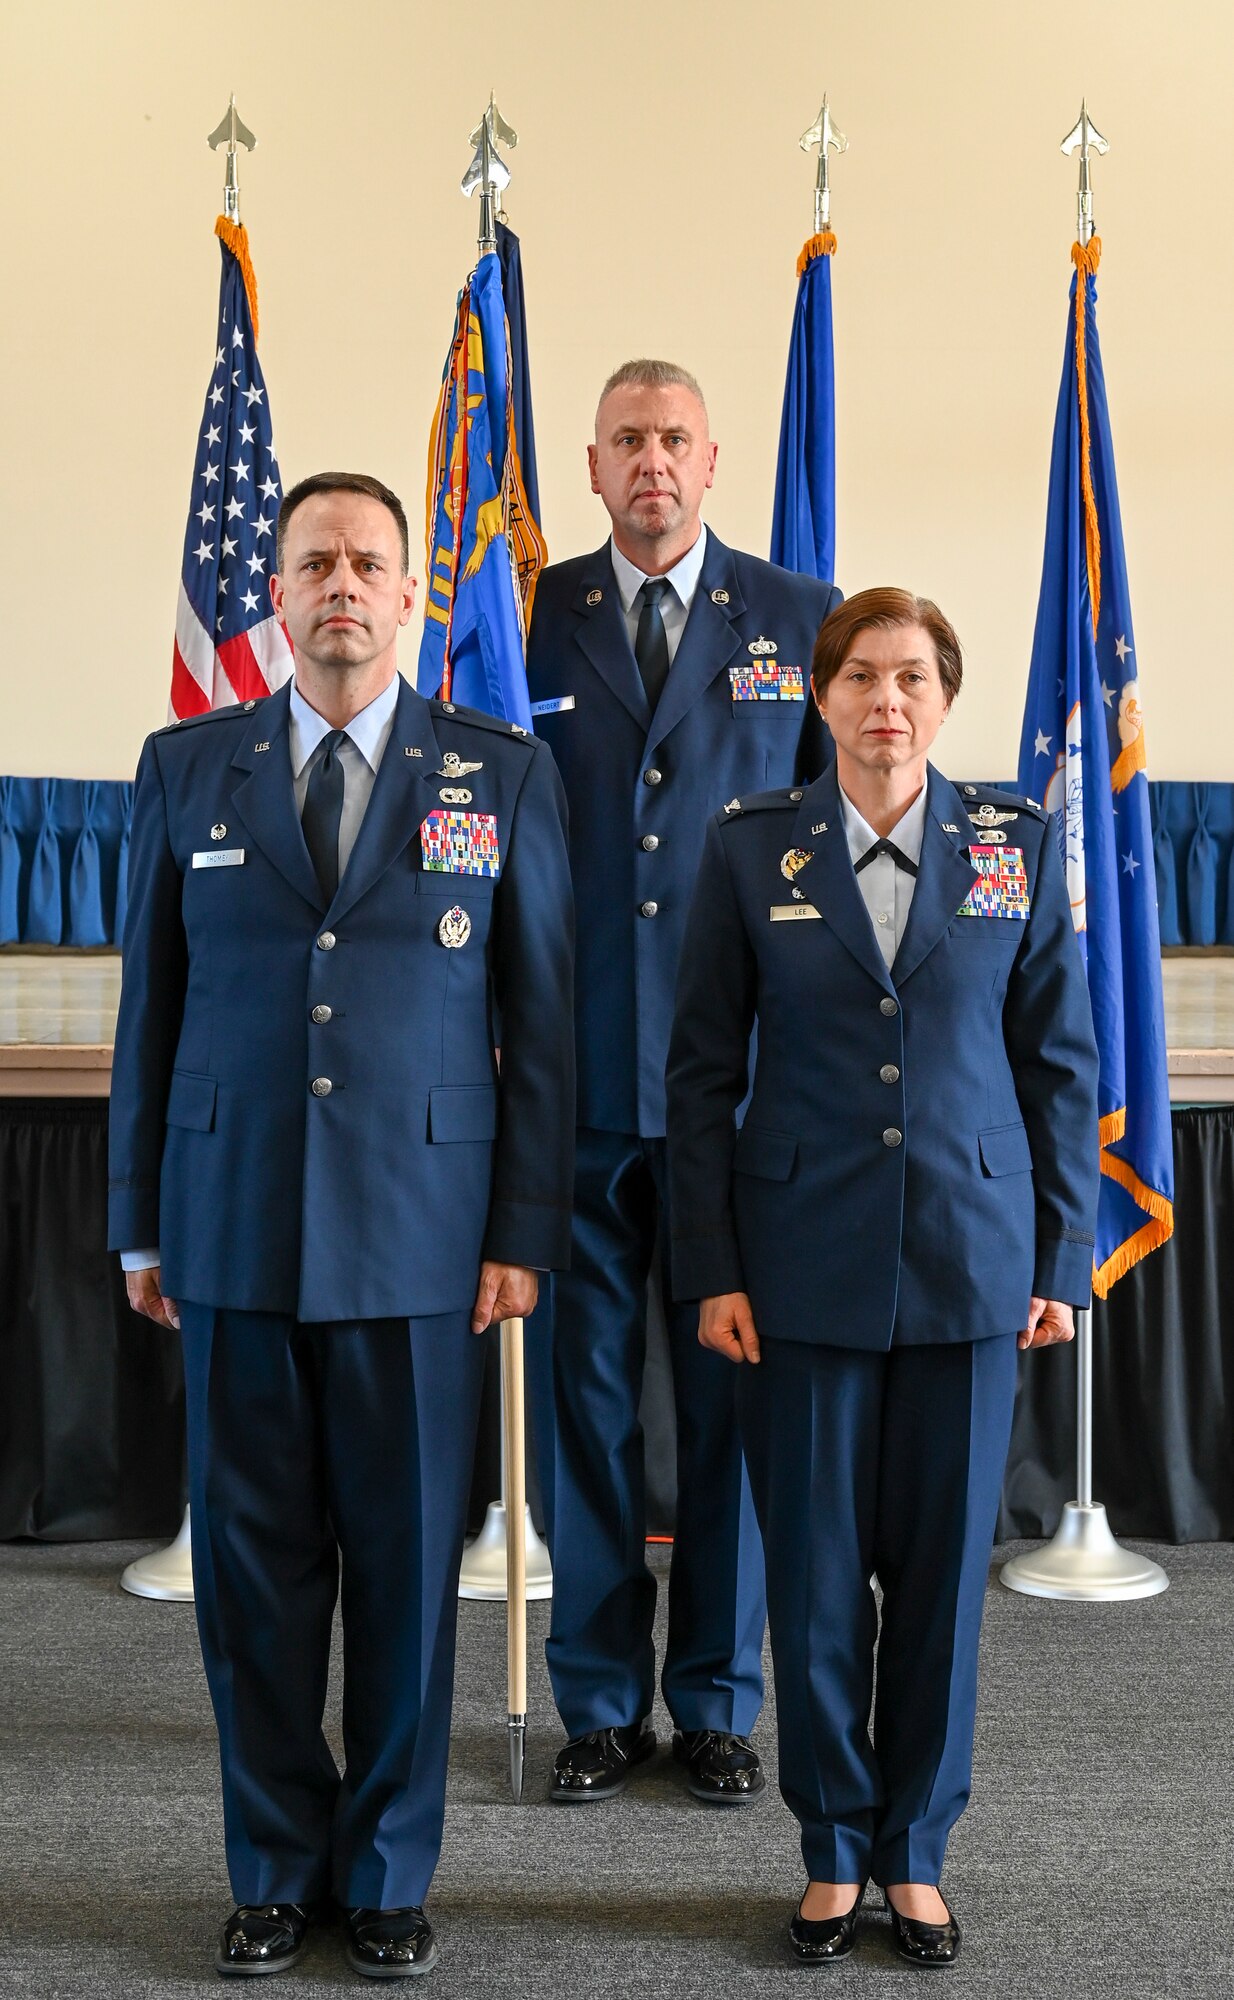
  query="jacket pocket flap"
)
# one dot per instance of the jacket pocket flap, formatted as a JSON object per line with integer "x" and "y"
{"x": 769, "y": 1155}
{"x": 1004, "y": 1150}
{"x": 463, "y": 1111}
{"x": 190, "y": 1101}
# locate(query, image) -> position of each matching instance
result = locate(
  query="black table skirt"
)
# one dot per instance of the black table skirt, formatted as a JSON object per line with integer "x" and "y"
{"x": 91, "y": 1396}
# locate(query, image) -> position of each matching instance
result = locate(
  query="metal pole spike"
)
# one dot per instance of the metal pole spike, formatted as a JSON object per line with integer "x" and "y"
{"x": 1084, "y": 138}
{"x": 231, "y": 132}
{"x": 488, "y": 171}
{"x": 827, "y": 136}
{"x": 518, "y": 1753}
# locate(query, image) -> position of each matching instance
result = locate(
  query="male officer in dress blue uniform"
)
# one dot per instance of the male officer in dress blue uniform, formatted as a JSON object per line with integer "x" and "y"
{"x": 667, "y": 673}
{"x": 332, "y": 891}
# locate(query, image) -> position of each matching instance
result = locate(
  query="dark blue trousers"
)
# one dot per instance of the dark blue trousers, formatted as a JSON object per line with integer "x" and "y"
{"x": 586, "y": 1361}
{"x": 888, "y": 1463}
{"x": 307, "y": 1442}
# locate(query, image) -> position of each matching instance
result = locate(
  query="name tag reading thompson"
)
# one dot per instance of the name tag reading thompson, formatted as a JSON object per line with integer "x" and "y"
{"x": 791, "y": 913}
{"x": 220, "y": 857}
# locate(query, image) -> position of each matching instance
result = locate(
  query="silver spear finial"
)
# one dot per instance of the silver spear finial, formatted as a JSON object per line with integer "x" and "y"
{"x": 826, "y": 135}
{"x": 488, "y": 171}
{"x": 231, "y": 133}
{"x": 1083, "y": 138}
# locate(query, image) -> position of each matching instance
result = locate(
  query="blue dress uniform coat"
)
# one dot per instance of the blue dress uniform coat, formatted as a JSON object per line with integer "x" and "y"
{"x": 918, "y": 1158}
{"x": 310, "y": 1120}
{"x": 734, "y": 715}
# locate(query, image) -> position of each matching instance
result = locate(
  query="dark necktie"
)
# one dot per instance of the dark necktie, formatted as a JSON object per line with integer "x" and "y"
{"x": 885, "y": 847}
{"x": 651, "y": 640}
{"x": 323, "y": 812}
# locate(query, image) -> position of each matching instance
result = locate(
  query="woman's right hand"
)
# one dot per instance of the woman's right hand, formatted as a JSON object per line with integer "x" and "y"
{"x": 727, "y": 1325}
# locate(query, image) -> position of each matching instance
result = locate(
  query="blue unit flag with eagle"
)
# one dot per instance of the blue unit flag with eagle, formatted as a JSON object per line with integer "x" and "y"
{"x": 1082, "y": 755}
{"x": 484, "y": 546}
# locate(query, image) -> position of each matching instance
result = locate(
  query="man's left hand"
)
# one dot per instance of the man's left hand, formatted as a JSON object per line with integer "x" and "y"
{"x": 506, "y": 1291}
{"x": 1049, "y": 1320}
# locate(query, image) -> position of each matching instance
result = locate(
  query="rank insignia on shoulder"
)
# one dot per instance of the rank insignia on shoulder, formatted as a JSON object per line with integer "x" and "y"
{"x": 761, "y": 647}
{"x": 1001, "y": 888}
{"x": 454, "y": 928}
{"x": 452, "y": 766}
{"x": 733, "y": 806}
{"x": 792, "y": 863}
{"x": 766, "y": 680}
{"x": 460, "y": 843}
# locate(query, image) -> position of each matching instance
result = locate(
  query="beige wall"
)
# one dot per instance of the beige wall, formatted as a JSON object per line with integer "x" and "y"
{"x": 661, "y": 200}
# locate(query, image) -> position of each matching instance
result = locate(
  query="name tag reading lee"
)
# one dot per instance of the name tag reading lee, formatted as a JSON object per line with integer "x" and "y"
{"x": 220, "y": 857}
{"x": 791, "y": 913}
{"x": 558, "y": 706}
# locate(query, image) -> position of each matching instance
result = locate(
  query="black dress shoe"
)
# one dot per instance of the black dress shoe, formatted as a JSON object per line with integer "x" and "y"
{"x": 390, "y": 1944}
{"x": 820, "y": 1940}
{"x": 262, "y": 1937}
{"x": 598, "y": 1765}
{"x": 928, "y": 1945}
{"x": 722, "y": 1768}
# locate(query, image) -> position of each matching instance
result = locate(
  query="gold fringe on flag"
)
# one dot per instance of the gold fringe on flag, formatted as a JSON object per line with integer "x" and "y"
{"x": 235, "y": 237}
{"x": 822, "y": 245}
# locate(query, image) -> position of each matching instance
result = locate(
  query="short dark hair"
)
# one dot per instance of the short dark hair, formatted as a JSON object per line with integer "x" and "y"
{"x": 887, "y": 608}
{"x": 340, "y": 482}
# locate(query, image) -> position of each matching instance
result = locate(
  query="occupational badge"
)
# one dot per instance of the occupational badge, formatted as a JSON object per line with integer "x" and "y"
{"x": 988, "y": 815}
{"x": 460, "y": 843}
{"x": 761, "y": 647}
{"x": 455, "y": 795}
{"x": 792, "y": 863}
{"x": 452, "y": 766}
{"x": 454, "y": 928}
{"x": 218, "y": 831}
{"x": 1001, "y": 888}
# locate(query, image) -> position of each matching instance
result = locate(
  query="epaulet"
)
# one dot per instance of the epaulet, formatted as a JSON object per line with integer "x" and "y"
{"x": 760, "y": 802}
{"x": 976, "y": 796}
{"x": 231, "y": 710}
{"x": 479, "y": 719}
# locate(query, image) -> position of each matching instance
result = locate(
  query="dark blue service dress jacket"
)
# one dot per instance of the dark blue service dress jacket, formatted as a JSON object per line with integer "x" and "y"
{"x": 307, "y": 1112}
{"x": 919, "y": 1156}
{"x": 735, "y": 716}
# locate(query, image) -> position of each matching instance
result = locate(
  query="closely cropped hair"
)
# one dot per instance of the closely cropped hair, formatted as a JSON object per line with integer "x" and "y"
{"x": 341, "y": 482}
{"x": 887, "y": 609}
{"x": 645, "y": 374}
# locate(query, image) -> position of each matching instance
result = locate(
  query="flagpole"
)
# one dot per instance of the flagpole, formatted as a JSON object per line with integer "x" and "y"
{"x": 167, "y": 1574}
{"x": 1084, "y": 1562}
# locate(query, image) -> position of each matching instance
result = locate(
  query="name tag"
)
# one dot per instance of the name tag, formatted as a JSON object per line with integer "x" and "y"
{"x": 557, "y": 706}
{"x": 791, "y": 913}
{"x": 219, "y": 857}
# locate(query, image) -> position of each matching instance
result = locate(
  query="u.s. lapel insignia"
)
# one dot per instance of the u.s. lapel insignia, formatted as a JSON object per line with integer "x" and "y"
{"x": 719, "y": 597}
{"x": 792, "y": 863}
{"x": 258, "y": 747}
{"x": 595, "y": 597}
{"x": 452, "y": 766}
{"x": 819, "y": 827}
{"x": 454, "y": 928}
{"x": 218, "y": 831}
{"x": 409, "y": 751}
{"x": 948, "y": 827}
{"x": 455, "y": 795}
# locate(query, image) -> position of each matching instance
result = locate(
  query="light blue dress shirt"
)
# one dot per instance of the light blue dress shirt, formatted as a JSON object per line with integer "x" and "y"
{"x": 886, "y": 890}
{"x": 675, "y": 604}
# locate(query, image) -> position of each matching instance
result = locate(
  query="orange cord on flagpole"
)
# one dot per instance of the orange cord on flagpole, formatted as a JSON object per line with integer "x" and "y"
{"x": 822, "y": 245}
{"x": 235, "y": 237}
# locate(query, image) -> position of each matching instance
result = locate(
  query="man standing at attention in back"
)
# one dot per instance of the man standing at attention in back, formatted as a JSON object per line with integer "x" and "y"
{"x": 668, "y": 674}
{"x": 320, "y": 1175}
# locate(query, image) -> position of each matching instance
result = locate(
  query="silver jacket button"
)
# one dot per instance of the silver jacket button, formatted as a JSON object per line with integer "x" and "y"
{"x": 326, "y": 941}
{"x": 650, "y": 842}
{"x": 322, "y": 1087}
{"x": 891, "y": 1137}
{"x": 887, "y": 1006}
{"x": 652, "y": 777}
{"x": 321, "y": 1014}
{"x": 648, "y": 909}
{"x": 888, "y": 1072}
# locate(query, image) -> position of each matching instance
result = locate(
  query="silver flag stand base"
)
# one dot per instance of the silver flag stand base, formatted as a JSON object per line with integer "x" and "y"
{"x": 1084, "y": 1562}
{"x": 167, "y": 1573}
{"x": 483, "y": 1574}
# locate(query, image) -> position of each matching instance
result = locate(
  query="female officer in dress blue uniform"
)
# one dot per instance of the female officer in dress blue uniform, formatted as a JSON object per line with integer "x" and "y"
{"x": 911, "y": 1195}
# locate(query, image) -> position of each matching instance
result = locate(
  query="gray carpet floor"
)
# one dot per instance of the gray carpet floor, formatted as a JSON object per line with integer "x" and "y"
{"x": 1097, "y": 1858}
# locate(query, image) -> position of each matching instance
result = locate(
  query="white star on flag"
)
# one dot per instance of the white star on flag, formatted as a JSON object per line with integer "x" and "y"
{"x": 235, "y": 509}
{"x": 1107, "y": 695}
{"x": 1130, "y": 864}
{"x": 1122, "y": 648}
{"x": 203, "y": 551}
{"x": 249, "y": 601}
{"x": 1043, "y": 744}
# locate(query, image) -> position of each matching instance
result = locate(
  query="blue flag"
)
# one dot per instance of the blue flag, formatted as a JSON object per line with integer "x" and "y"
{"x": 803, "y": 528}
{"x": 510, "y": 258}
{"x": 484, "y": 547}
{"x": 1082, "y": 755}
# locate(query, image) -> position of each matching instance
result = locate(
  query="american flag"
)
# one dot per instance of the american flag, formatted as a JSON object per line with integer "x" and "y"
{"x": 229, "y": 646}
